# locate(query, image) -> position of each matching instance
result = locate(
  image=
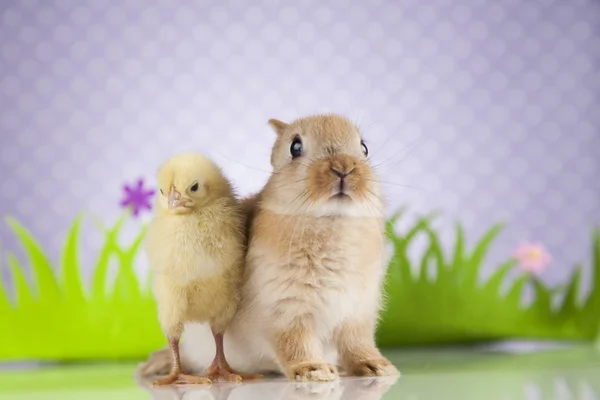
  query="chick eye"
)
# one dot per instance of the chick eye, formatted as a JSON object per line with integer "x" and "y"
{"x": 296, "y": 148}
{"x": 161, "y": 192}
{"x": 365, "y": 150}
{"x": 194, "y": 187}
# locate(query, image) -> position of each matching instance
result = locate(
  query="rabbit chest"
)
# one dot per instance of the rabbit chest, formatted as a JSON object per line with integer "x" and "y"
{"x": 328, "y": 268}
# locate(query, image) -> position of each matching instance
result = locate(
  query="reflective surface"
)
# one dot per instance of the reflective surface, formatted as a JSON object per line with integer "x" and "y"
{"x": 501, "y": 373}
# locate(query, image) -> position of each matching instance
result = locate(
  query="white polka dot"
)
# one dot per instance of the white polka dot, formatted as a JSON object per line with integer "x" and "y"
{"x": 502, "y": 183}
{"x": 430, "y": 183}
{"x": 554, "y": 165}
{"x": 519, "y": 166}
{"x": 556, "y": 235}
{"x": 533, "y": 114}
{"x": 185, "y": 83}
{"x": 236, "y": 34}
{"x": 80, "y": 50}
{"x": 393, "y": 83}
{"x": 446, "y": 99}
{"x": 451, "y": 199}
{"x": 323, "y": 48}
{"x": 374, "y": 31}
{"x": 81, "y": 16}
{"x": 61, "y": 68}
{"x": 9, "y": 119}
{"x": 564, "y": 47}
{"x": 461, "y": 14}
{"x": 63, "y": 34}
{"x": 513, "y": 30}
{"x": 323, "y": 15}
{"x": 497, "y": 48}
{"x": 289, "y": 15}
{"x": 481, "y": 98}
{"x": 496, "y": 12}
{"x": 94, "y": 239}
{"x": 519, "y": 200}
{"x": 29, "y": 35}
{"x": 376, "y": 66}
{"x": 428, "y": 48}
{"x": 167, "y": 67}
{"x": 11, "y": 18}
{"x": 465, "y": 183}
{"x": 133, "y": 34}
{"x": 44, "y": 52}
{"x": 393, "y": 47}
{"x": 340, "y": 65}
{"x": 588, "y": 200}
{"x": 478, "y": 30}
{"x": 46, "y": 16}
{"x": 554, "y": 199}
{"x": 25, "y": 206}
{"x": 167, "y": 34}
{"x": 271, "y": 33}
{"x": 27, "y": 103}
{"x": 254, "y": 16}
{"x": 133, "y": 67}
{"x": 10, "y": 85}
{"x": 149, "y": 15}
{"x": 98, "y": 67}
{"x": 462, "y": 49}
{"x": 358, "y": 47}
{"x": 582, "y": 30}
{"x": 411, "y": 66}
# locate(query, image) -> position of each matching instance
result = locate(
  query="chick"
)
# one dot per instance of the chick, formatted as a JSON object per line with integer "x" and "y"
{"x": 195, "y": 246}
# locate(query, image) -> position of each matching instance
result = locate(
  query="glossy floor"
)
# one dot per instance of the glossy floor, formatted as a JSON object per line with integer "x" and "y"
{"x": 491, "y": 373}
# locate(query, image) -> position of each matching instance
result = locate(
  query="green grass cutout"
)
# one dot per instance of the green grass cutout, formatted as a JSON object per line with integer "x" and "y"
{"x": 59, "y": 318}
{"x": 458, "y": 307}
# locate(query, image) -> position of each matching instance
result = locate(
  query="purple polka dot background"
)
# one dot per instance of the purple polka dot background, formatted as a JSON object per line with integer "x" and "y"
{"x": 486, "y": 110}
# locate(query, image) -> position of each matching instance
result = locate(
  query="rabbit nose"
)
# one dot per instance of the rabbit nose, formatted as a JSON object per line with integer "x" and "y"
{"x": 340, "y": 174}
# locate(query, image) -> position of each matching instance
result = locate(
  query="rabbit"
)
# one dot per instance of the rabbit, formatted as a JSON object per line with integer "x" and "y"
{"x": 315, "y": 263}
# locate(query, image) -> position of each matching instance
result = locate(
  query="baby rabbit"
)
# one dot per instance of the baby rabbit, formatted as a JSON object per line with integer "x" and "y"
{"x": 311, "y": 290}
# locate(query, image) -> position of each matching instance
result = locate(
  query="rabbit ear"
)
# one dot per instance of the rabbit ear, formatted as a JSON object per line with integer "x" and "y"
{"x": 278, "y": 125}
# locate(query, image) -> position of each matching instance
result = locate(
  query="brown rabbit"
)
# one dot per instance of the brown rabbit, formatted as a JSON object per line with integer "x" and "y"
{"x": 312, "y": 285}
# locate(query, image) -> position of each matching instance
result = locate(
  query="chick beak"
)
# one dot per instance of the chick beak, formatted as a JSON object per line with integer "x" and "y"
{"x": 175, "y": 199}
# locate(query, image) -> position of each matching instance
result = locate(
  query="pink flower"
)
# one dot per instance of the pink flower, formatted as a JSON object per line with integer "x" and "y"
{"x": 532, "y": 257}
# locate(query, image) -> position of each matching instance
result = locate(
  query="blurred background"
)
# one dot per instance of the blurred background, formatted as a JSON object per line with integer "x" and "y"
{"x": 487, "y": 111}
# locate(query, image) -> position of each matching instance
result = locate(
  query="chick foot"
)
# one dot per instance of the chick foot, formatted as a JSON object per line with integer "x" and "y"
{"x": 220, "y": 370}
{"x": 182, "y": 379}
{"x": 177, "y": 376}
{"x": 220, "y": 367}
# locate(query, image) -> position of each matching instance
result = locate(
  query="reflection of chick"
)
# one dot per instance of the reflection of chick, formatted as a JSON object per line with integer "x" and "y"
{"x": 195, "y": 245}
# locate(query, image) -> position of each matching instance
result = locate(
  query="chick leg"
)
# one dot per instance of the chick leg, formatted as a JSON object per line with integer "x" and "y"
{"x": 177, "y": 375}
{"x": 220, "y": 367}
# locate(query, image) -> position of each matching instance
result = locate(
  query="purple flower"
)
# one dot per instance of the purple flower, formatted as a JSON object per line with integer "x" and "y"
{"x": 137, "y": 198}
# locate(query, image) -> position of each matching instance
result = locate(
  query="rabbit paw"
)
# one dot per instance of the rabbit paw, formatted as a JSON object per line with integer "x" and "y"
{"x": 377, "y": 367}
{"x": 313, "y": 371}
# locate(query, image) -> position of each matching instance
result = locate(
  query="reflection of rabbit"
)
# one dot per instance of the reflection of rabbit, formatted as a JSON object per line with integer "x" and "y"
{"x": 315, "y": 263}
{"x": 346, "y": 389}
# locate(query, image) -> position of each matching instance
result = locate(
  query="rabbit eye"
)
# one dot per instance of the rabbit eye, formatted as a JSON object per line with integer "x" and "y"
{"x": 194, "y": 187}
{"x": 365, "y": 150}
{"x": 296, "y": 148}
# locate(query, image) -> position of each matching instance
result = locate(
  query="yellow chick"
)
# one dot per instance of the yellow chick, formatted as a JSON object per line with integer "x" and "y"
{"x": 195, "y": 246}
